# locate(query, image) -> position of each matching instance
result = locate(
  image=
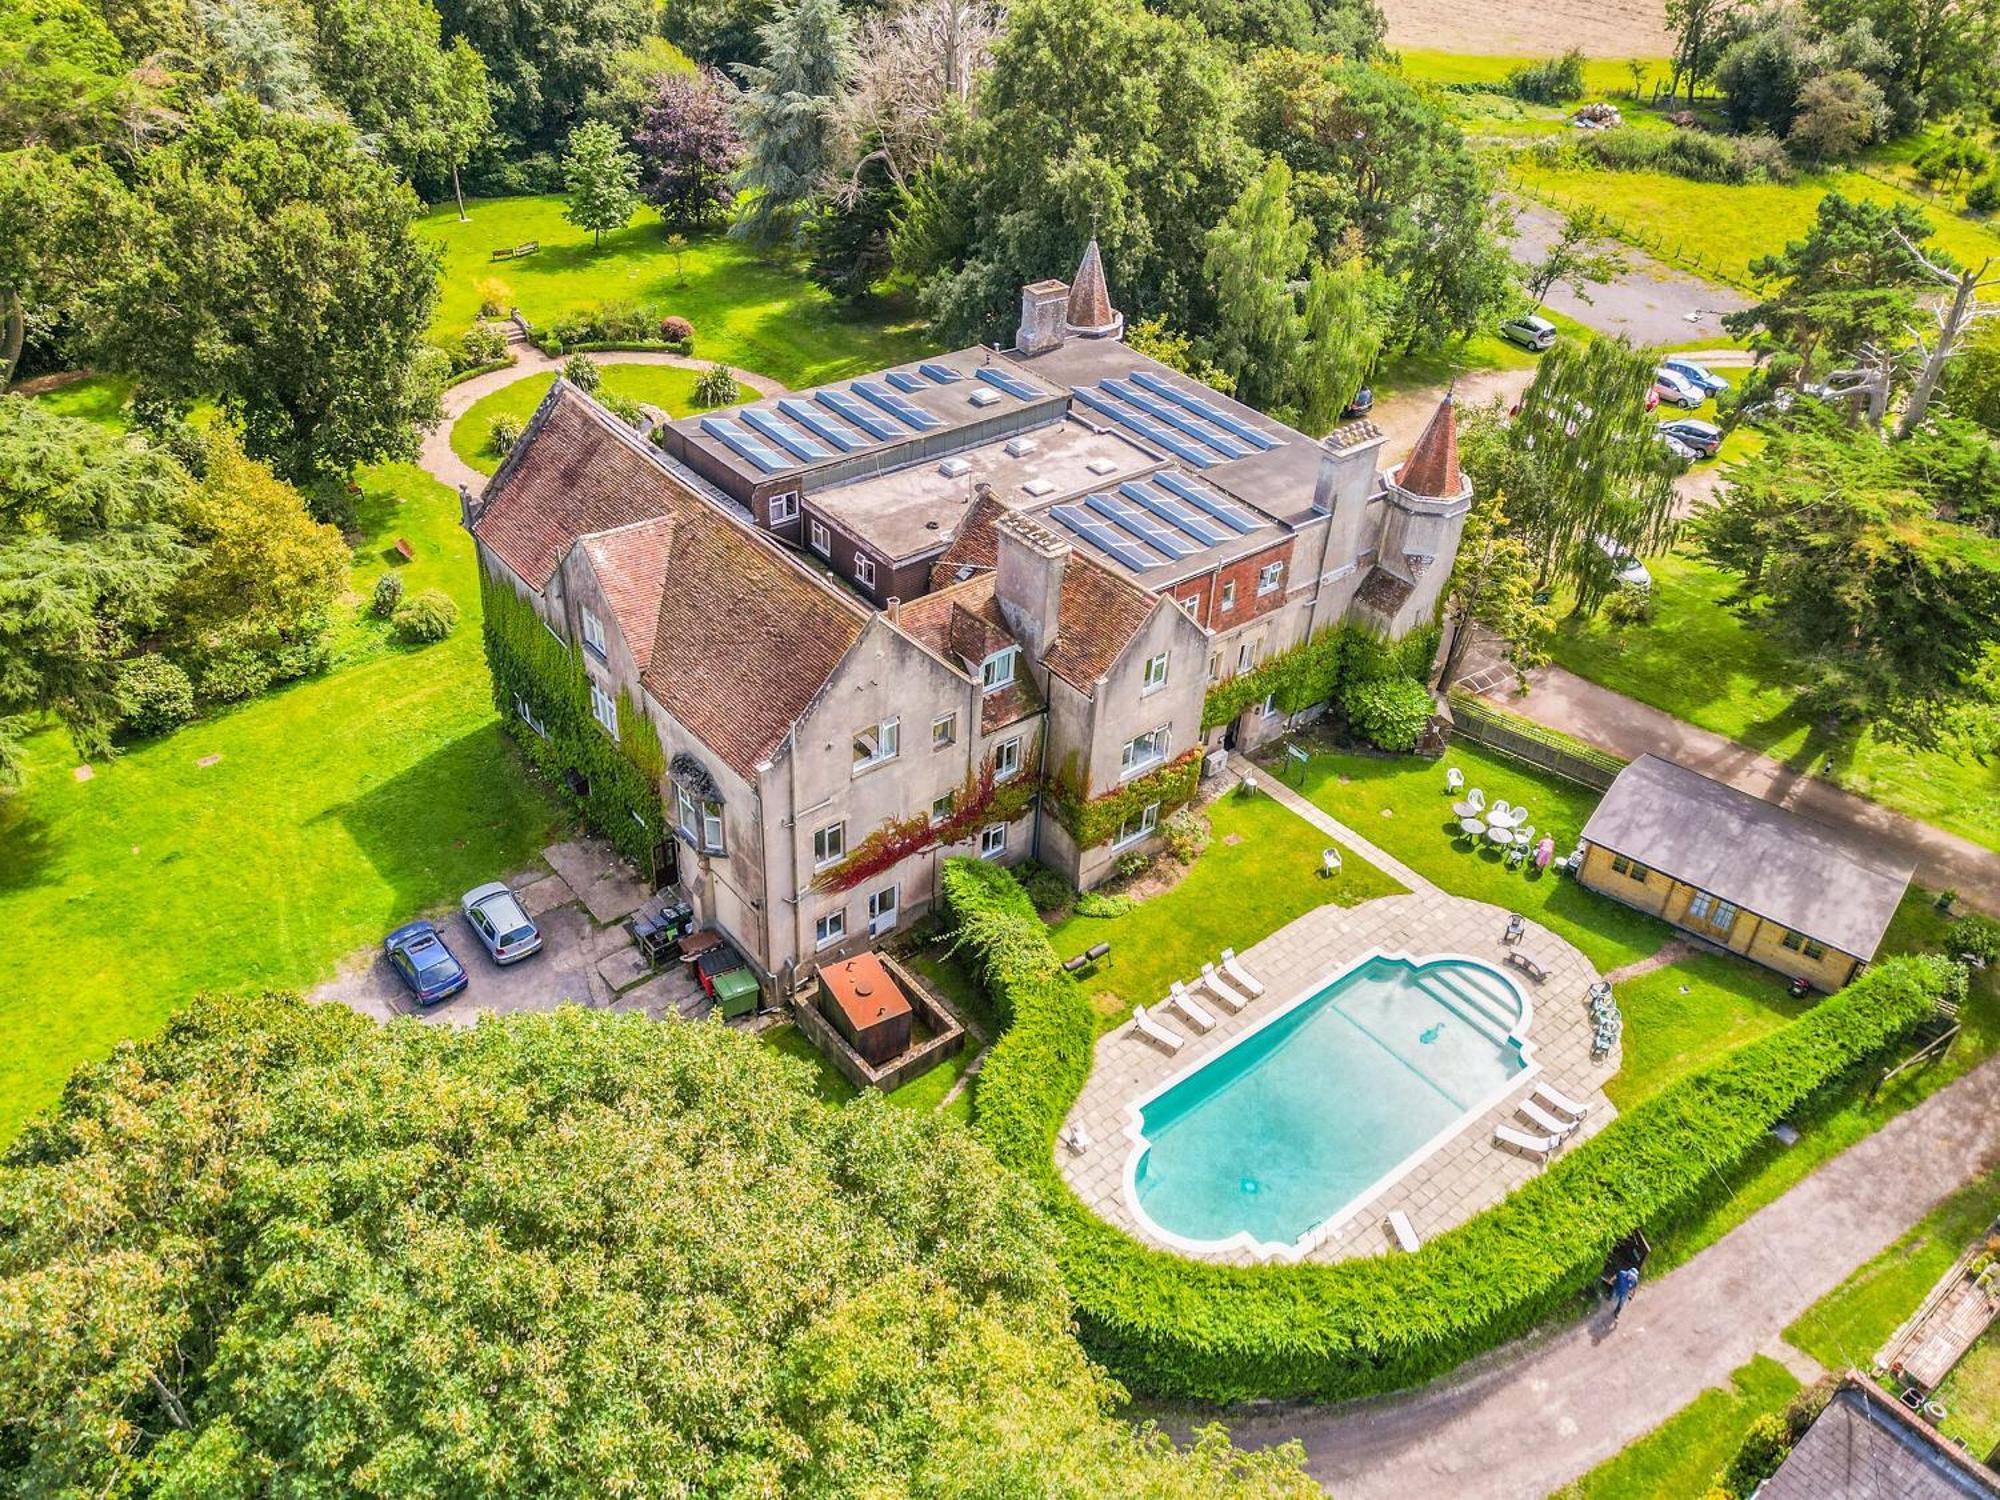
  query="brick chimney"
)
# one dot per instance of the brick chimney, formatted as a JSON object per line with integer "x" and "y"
{"x": 1028, "y": 581}
{"x": 1044, "y": 306}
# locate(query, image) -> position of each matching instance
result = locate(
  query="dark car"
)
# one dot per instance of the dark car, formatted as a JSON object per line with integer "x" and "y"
{"x": 1704, "y": 438}
{"x": 1362, "y": 404}
{"x": 418, "y": 955}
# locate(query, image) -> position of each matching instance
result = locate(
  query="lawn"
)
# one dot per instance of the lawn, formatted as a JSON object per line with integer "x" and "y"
{"x": 750, "y": 308}
{"x": 95, "y": 398}
{"x": 1698, "y": 660}
{"x": 666, "y": 386}
{"x": 1261, "y": 870}
{"x": 1971, "y": 1394}
{"x": 1679, "y": 1458}
{"x": 162, "y": 876}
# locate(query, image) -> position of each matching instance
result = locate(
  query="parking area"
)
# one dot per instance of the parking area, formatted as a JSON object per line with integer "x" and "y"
{"x": 579, "y": 894}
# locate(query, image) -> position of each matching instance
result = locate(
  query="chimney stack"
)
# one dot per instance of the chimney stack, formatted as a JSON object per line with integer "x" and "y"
{"x": 1028, "y": 581}
{"x": 1044, "y": 305}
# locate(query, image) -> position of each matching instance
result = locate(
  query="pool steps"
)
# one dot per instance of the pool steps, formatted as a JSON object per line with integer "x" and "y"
{"x": 1491, "y": 1010}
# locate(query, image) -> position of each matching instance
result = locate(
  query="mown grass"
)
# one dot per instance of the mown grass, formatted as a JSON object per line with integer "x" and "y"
{"x": 1971, "y": 1396}
{"x": 750, "y": 308}
{"x": 668, "y": 387}
{"x": 1679, "y": 1458}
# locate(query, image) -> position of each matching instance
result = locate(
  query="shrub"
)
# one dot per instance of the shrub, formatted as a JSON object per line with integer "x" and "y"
{"x": 624, "y": 408}
{"x": 1974, "y": 936}
{"x": 503, "y": 435}
{"x": 581, "y": 371}
{"x": 1696, "y": 155}
{"x": 1983, "y": 197}
{"x": 237, "y": 675}
{"x": 388, "y": 594}
{"x": 154, "y": 695}
{"x": 494, "y": 295}
{"x": 1045, "y": 887}
{"x": 1764, "y": 1448}
{"x": 676, "y": 330}
{"x": 553, "y": 345}
{"x": 430, "y": 616}
{"x": 1390, "y": 712}
{"x": 1187, "y": 835}
{"x": 1176, "y": 1328}
{"x": 1103, "y": 904}
{"x": 1553, "y": 80}
{"x": 1130, "y": 866}
{"x": 1629, "y": 606}
{"x": 715, "y": 387}
{"x": 302, "y": 658}
{"x": 480, "y": 344}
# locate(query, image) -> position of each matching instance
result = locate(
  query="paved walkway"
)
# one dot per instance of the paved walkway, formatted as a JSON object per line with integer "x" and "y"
{"x": 447, "y": 467}
{"x": 1535, "y": 1415}
{"x": 1326, "y": 823}
{"x": 1628, "y": 728}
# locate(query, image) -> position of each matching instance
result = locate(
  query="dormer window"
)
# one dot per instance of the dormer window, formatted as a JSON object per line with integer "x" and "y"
{"x": 997, "y": 671}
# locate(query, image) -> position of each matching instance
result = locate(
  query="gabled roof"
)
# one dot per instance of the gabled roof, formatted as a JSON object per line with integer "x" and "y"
{"x": 1432, "y": 469}
{"x": 961, "y": 622}
{"x": 1864, "y": 1446}
{"x": 1830, "y": 885}
{"x": 1089, "y": 299}
{"x": 741, "y": 637}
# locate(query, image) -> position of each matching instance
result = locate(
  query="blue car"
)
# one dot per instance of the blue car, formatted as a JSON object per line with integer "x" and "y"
{"x": 1697, "y": 375}
{"x": 418, "y": 955}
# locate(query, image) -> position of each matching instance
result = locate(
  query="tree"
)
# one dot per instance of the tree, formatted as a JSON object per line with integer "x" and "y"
{"x": 1492, "y": 587}
{"x": 1939, "y": 52}
{"x": 1951, "y": 315}
{"x": 688, "y": 148}
{"x": 276, "y": 268}
{"x": 786, "y": 116}
{"x": 546, "y": 57}
{"x": 1577, "y": 256}
{"x": 563, "y": 1255}
{"x": 917, "y": 65}
{"x": 258, "y": 50}
{"x": 63, "y": 79}
{"x": 1346, "y": 318}
{"x": 66, "y": 222}
{"x": 1174, "y": 349}
{"x": 715, "y": 33}
{"x": 846, "y": 238}
{"x": 1838, "y": 114}
{"x": 89, "y": 548}
{"x": 1253, "y": 254}
{"x": 600, "y": 181}
{"x": 632, "y": 78}
{"x": 1694, "y": 24}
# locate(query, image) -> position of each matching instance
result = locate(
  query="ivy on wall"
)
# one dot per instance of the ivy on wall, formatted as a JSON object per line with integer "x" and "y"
{"x": 1095, "y": 820}
{"x": 1314, "y": 671}
{"x": 620, "y": 795}
{"x": 982, "y": 798}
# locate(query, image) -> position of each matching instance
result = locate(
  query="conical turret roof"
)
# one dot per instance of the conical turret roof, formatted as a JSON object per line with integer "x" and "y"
{"x": 1432, "y": 469}
{"x": 1090, "y": 310}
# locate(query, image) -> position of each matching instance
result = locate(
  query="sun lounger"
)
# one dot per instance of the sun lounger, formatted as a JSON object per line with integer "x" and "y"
{"x": 1240, "y": 976}
{"x": 1399, "y": 1226}
{"x": 1076, "y": 1138}
{"x": 1541, "y": 1147}
{"x": 1220, "y": 988}
{"x": 1544, "y": 1121}
{"x": 1560, "y": 1102}
{"x": 1183, "y": 1002}
{"x": 1168, "y": 1041}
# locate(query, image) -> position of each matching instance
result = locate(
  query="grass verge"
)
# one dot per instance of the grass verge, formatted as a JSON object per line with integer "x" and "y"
{"x": 666, "y": 386}
{"x": 1678, "y": 1459}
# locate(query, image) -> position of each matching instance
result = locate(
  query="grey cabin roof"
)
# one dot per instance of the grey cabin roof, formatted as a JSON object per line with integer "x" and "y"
{"x": 1865, "y": 1447}
{"x": 1828, "y": 884}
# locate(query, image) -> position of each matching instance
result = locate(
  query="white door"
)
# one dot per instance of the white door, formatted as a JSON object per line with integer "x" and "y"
{"x": 882, "y": 911}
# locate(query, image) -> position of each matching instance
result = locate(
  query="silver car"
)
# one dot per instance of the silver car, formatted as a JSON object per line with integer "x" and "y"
{"x": 1530, "y": 332}
{"x": 508, "y": 932}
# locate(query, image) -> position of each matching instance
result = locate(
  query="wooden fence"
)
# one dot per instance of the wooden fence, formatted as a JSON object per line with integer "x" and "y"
{"x": 1523, "y": 740}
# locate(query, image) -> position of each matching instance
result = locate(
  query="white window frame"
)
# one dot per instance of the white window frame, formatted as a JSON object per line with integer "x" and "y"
{"x": 1002, "y": 661}
{"x": 698, "y": 820}
{"x": 784, "y": 507}
{"x": 604, "y": 709}
{"x": 944, "y": 731}
{"x": 829, "y": 851}
{"x": 1229, "y": 594}
{"x": 1269, "y": 707}
{"x": 993, "y": 841}
{"x": 1007, "y": 759}
{"x": 820, "y": 537}
{"x": 1153, "y": 676}
{"x": 831, "y": 928}
{"x": 943, "y": 807}
{"x": 1192, "y": 605}
{"x": 525, "y": 712}
{"x": 1147, "y": 819}
{"x": 864, "y": 570}
{"x": 1270, "y": 578}
{"x": 593, "y": 635}
{"x": 888, "y": 744}
{"x": 1129, "y": 763}
{"x": 711, "y": 827}
{"x": 876, "y": 926}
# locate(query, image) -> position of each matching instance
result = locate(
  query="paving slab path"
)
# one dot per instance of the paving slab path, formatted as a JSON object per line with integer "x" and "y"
{"x": 1528, "y": 1418}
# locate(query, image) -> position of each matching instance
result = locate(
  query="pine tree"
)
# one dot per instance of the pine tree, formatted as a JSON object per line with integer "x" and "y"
{"x": 1253, "y": 254}
{"x": 787, "y": 113}
{"x": 601, "y": 179}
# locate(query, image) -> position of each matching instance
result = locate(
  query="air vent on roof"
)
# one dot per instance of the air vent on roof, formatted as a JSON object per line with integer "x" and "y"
{"x": 955, "y": 468}
{"x": 985, "y": 395}
{"x": 1039, "y": 488}
{"x": 1020, "y": 447}
{"x": 1101, "y": 465}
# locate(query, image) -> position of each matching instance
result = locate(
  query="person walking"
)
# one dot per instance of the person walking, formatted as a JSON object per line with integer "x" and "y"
{"x": 1623, "y": 1285}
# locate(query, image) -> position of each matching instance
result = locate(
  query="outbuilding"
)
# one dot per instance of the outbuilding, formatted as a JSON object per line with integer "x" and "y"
{"x": 866, "y": 1006}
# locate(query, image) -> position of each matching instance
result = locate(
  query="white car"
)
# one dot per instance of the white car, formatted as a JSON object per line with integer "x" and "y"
{"x": 506, "y": 931}
{"x": 1626, "y": 568}
{"x": 1530, "y": 332}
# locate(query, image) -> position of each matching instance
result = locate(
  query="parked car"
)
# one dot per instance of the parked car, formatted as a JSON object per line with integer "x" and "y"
{"x": 1530, "y": 332}
{"x": 1704, "y": 438}
{"x": 421, "y": 960}
{"x": 1675, "y": 446}
{"x": 1627, "y": 568}
{"x": 1652, "y": 397}
{"x": 1700, "y": 375}
{"x": 500, "y": 923}
{"x": 1362, "y": 404}
{"x": 1677, "y": 388}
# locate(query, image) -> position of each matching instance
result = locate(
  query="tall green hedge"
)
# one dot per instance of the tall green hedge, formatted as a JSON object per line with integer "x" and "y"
{"x": 1178, "y": 1328}
{"x": 623, "y": 803}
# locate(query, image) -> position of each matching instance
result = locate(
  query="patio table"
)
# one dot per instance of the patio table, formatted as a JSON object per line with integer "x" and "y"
{"x": 1466, "y": 809}
{"x": 1512, "y": 818}
{"x": 1498, "y": 835}
{"x": 1472, "y": 826}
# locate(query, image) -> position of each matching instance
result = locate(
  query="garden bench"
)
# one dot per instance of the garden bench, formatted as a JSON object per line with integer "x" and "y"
{"x": 1527, "y": 965}
{"x": 404, "y": 550}
{"x": 1085, "y": 959}
{"x": 518, "y": 251}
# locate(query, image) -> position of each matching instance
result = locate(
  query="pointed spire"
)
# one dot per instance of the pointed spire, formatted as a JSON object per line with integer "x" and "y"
{"x": 1431, "y": 470}
{"x": 1091, "y": 314}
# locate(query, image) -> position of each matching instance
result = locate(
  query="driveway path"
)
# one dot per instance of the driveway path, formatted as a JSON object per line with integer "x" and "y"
{"x": 447, "y": 467}
{"x": 1626, "y": 727}
{"x": 1533, "y": 1416}
{"x": 1651, "y": 303}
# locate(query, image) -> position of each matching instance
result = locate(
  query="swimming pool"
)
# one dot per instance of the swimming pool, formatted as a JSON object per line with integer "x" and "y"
{"x": 1275, "y": 1140}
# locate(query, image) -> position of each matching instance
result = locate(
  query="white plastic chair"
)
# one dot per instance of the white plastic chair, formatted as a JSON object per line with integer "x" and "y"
{"x": 1502, "y": 812}
{"x": 1476, "y": 797}
{"x": 1454, "y": 779}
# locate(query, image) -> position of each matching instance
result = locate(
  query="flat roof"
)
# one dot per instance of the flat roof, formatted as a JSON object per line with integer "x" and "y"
{"x": 864, "y": 990}
{"x": 1836, "y": 887}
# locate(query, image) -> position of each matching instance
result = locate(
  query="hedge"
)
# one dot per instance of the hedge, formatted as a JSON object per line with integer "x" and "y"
{"x": 478, "y": 370}
{"x": 1175, "y": 1328}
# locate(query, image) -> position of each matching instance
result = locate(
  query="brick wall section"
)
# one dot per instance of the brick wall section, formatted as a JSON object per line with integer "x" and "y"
{"x": 1243, "y": 573}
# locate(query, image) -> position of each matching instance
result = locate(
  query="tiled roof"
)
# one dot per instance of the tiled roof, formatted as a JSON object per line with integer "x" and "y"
{"x": 1089, "y": 299}
{"x": 961, "y": 622}
{"x": 974, "y": 545}
{"x": 631, "y": 565}
{"x": 1863, "y": 1446}
{"x": 742, "y": 637}
{"x": 1383, "y": 592}
{"x": 1432, "y": 469}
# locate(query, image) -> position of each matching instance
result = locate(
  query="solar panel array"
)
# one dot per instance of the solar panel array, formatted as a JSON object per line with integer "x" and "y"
{"x": 913, "y": 417}
{"x": 939, "y": 374}
{"x": 903, "y": 380}
{"x": 1162, "y": 519}
{"x": 851, "y": 408}
{"x": 846, "y": 439}
{"x": 1180, "y": 419}
{"x": 759, "y": 453}
{"x": 1105, "y": 537}
{"x": 1202, "y": 407}
{"x": 1158, "y": 433}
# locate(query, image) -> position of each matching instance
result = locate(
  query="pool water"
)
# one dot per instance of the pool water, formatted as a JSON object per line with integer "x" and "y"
{"x": 1296, "y": 1123}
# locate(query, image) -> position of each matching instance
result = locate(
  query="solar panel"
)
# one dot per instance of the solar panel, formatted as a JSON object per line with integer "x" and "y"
{"x": 1167, "y": 412}
{"x": 1226, "y": 511}
{"x": 1145, "y": 426}
{"x": 903, "y": 380}
{"x": 1092, "y": 530}
{"x": 841, "y": 438}
{"x": 910, "y": 416}
{"x": 784, "y": 434}
{"x": 764, "y": 457}
{"x": 857, "y": 412}
{"x": 1194, "y": 522}
{"x": 1011, "y": 383}
{"x": 940, "y": 374}
{"x": 1206, "y": 409}
{"x": 1141, "y": 525}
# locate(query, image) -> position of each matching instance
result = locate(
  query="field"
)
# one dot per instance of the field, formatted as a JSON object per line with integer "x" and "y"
{"x": 1615, "y": 29}
{"x": 750, "y": 309}
{"x": 664, "y": 386}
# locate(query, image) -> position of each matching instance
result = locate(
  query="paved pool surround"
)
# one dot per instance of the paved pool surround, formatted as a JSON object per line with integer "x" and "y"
{"x": 1447, "y": 1183}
